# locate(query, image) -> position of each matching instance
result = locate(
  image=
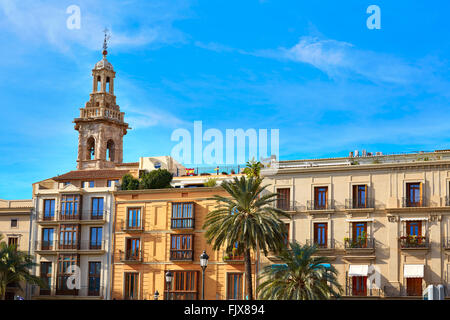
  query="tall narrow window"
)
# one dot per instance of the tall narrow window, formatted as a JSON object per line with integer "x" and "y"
{"x": 359, "y": 235}
{"x": 13, "y": 242}
{"x": 181, "y": 247}
{"x": 360, "y": 196}
{"x": 49, "y": 209}
{"x": 184, "y": 286}
{"x": 65, "y": 263}
{"x": 234, "y": 286}
{"x": 134, "y": 218}
{"x": 131, "y": 285}
{"x": 95, "y": 242}
{"x": 414, "y": 286}
{"x": 320, "y": 198}
{"x": 46, "y": 276}
{"x": 90, "y": 152}
{"x": 94, "y": 278}
{"x": 97, "y": 208}
{"x": 283, "y": 200}
{"x": 110, "y": 147}
{"x": 414, "y": 194}
{"x": 47, "y": 239}
{"x": 107, "y": 84}
{"x": 69, "y": 237}
{"x": 70, "y": 205}
{"x": 359, "y": 286}
{"x": 99, "y": 84}
{"x": 133, "y": 249}
{"x": 182, "y": 215}
{"x": 320, "y": 235}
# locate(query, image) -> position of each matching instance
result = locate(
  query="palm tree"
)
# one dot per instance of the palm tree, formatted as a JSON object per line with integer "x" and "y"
{"x": 253, "y": 168}
{"x": 14, "y": 268}
{"x": 247, "y": 219}
{"x": 300, "y": 276}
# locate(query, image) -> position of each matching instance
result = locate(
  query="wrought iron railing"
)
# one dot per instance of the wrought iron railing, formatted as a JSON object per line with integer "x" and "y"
{"x": 129, "y": 227}
{"x": 286, "y": 205}
{"x": 412, "y": 203}
{"x": 320, "y": 205}
{"x": 182, "y": 223}
{"x": 232, "y": 257}
{"x": 173, "y": 295}
{"x": 45, "y": 245}
{"x": 359, "y": 243}
{"x": 366, "y": 292}
{"x": 354, "y": 203}
{"x": 181, "y": 255}
{"x": 130, "y": 256}
{"x": 85, "y": 215}
{"x": 320, "y": 244}
{"x": 414, "y": 242}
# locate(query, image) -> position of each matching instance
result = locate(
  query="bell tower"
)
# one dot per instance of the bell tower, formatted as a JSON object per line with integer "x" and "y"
{"x": 101, "y": 125}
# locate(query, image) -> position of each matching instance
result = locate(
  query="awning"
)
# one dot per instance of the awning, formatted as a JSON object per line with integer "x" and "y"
{"x": 412, "y": 219}
{"x": 361, "y": 220}
{"x": 413, "y": 270}
{"x": 358, "y": 270}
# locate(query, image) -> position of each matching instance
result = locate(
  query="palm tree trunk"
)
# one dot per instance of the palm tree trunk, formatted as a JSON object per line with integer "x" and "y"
{"x": 248, "y": 271}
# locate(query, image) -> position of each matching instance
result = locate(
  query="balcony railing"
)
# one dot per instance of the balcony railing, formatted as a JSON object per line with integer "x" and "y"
{"x": 131, "y": 256}
{"x": 128, "y": 227}
{"x": 286, "y": 205}
{"x": 414, "y": 242}
{"x": 85, "y": 215}
{"x": 181, "y": 255}
{"x": 182, "y": 223}
{"x": 83, "y": 291}
{"x": 77, "y": 245}
{"x": 368, "y": 292}
{"x": 412, "y": 203}
{"x": 232, "y": 257}
{"x": 353, "y": 203}
{"x": 180, "y": 295}
{"x": 359, "y": 243}
{"x": 320, "y": 205}
{"x": 320, "y": 244}
{"x": 45, "y": 245}
{"x": 402, "y": 291}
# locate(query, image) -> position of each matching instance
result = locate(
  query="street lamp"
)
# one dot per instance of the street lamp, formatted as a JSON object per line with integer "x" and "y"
{"x": 203, "y": 263}
{"x": 169, "y": 278}
{"x": 156, "y": 295}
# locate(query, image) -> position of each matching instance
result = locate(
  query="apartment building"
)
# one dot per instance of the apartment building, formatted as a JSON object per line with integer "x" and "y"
{"x": 15, "y": 229}
{"x": 159, "y": 231}
{"x": 382, "y": 220}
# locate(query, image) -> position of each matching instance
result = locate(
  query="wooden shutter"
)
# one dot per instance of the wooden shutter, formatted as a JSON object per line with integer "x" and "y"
{"x": 367, "y": 196}
{"x": 421, "y": 194}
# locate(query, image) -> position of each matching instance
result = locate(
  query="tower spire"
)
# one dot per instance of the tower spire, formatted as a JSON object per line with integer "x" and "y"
{"x": 105, "y": 41}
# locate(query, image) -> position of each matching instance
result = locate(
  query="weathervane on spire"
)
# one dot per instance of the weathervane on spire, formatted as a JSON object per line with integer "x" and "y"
{"x": 105, "y": 41}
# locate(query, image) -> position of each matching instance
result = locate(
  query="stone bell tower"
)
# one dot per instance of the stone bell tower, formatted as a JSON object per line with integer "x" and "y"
{"x": 101, "y": 125}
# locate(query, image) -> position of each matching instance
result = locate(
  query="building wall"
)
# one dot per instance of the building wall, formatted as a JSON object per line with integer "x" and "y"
{"x": 156, "y": 206}
{"x": 387, "y": 186}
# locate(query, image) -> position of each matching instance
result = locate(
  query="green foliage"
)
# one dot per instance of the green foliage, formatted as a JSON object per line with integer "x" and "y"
{"x": 15, "y": 267}
{"x": 246, "y": 218}
{"x": 129, "y": 182}
{"x": 253, "y": 169}
{"x": 156, "y": 179}
{"x": 301, "y": 276}
{"x": 212, "y": 182}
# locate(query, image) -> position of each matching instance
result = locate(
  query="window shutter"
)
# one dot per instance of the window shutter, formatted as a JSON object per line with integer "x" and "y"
{"x": 421, "y": 194}
{"x": 366, "y": 196}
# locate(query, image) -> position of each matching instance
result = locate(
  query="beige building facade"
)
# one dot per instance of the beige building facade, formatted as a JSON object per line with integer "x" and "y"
{"x": 383, "y": 221}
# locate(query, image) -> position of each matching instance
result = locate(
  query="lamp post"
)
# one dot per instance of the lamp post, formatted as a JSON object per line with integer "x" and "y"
{"x": 169, "y": 277}
{"x": 156, "y": 295}
{"x": 203, "y": 263}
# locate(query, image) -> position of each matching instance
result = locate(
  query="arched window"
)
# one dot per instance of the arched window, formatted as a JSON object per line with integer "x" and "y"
{"x": 90, "y": 149}
{"x": 110, "y": 150}
{"x": 107, "y": 85}
{"x": 99, "y": 84}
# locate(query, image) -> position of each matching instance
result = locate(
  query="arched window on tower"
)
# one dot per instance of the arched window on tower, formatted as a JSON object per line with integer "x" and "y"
{"x": 99, "y": 84}
{"x": 90, "y": 149}
{"x": 108, "y": 88}
{"x": 110, "y": 150}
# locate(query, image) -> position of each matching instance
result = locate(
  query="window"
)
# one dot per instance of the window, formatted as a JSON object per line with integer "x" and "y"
{"x": 414, "y": 194}
{"x": 49, "y": 209}
{"x": 283, "y": 200}
{"x": 134, "y": 218}
{"x": 69, "y": 237}
{"x": 234, "y": 286}
{"x": 182, "y": 215}
{"x": 110, "y": 147}
{"x": 88, "y": 184}
{"x": 13, "y": 223}
{"x": 110, "y": 182}
{"x": 46, "y": 276}
{"x": 66, "y": 183}
{"x": 360, "y": 196}
{"x": 133, "y": 250}
{"x": 94, "y": 278}
{"x": 99, "y": 84}
{"x": 184, "y": 286}
{"x": 321, "y": 235}
{"x": 95, "y": 238}
{"x": 414, "y": 228}
{"x": 359, "y": 235}
{"x": 47, "y": 239}
{"x": 320, "y": 198}
{"x": 413, "y": 238}
{"x": 13, "y": 241}
{"x": 181, "y": 247}
{"x": 65, "y": 263}
{"x": 97, "y": 208}
{"x": 131, "y": 285}
{"x": 107, "y": 85}
{"x": 70, "y": 205}
{"x": 359, "y": 286}
{"x": 414, "y": 286}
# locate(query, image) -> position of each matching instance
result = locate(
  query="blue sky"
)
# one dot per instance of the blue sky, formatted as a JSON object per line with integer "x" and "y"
{"x": 311, "y": 69}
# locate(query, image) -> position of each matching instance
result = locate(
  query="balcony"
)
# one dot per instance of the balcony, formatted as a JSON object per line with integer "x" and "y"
{"x": 126, "y": 227}
{"x": 85, "y": 215}
{"x": 353, "y": 203}
{"x": 173, "y": 295}
{"x": 181, "y": 255}
{"x": 131, "y": 257}
{"x": 329, "y": 245}
{"x": 44, "y": 245}
{"x": 286, "y": 205}
{"x": 83, "y": 245}
{"x": 313, "y": 205}
{"x": 351, "y": 292}
{"x": 412, "y": 203}
{"x": 414, "y": 242}
{"x": 182, "y": 223}
{"x": 232, "y": 257}
{"x": 82, "y": 293}
{"x": 359, "y": 243}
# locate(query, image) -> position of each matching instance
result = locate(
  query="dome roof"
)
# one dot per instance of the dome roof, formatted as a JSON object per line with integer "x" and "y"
{"x": 103, "y": 64}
